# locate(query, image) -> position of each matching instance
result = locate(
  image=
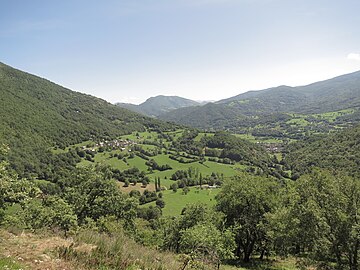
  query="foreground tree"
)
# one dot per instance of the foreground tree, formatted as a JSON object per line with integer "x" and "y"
{"x": 245, "y": 201}
{"x": 51, "y": 212}
{"x": 93, "y": 196}
{"x": 191, "y": 215}
{"x": 327, "y": 208}
{"x": 207, "y": 245}
{"x": 12, "y": 188}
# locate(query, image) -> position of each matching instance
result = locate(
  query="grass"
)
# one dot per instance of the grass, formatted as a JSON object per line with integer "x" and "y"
{"x": 10, "y": 264}
{"x": 116, "y": 163}
{"x": 254, "y": 139}
{"x": 138, "y": 163}
{"x": 247, "y": 137}
{"x": 176, "y": 201}
{"x": 201, "y": 135}
{"x": 205, "y": 169}
{"x": 298, "y": 122}
{"x": 279, "y": 156}
{"x": 92, "y": 250}
{"x": 30, "y": 251}
{"x": 269, "y": 264}
{"x": 176, "y": 134}
{"x": 101, "y": 251}
{"x": 148, "y": 146}
{"x": 331, "y": 116}
{"x": 60, "y": 151}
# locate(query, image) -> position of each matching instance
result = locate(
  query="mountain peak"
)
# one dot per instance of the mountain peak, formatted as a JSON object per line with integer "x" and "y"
{"x": 155, "y": 106}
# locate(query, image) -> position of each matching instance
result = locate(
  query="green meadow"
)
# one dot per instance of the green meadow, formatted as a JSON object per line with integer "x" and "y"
{"x": 176, "y": 201}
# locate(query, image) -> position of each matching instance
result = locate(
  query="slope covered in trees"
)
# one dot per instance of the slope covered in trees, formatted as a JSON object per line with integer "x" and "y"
{"x": 158, "y": 105}
{"x": 338, "y": 151}
{"x": 36, "y": 114}
{"x": 332, "y": 95}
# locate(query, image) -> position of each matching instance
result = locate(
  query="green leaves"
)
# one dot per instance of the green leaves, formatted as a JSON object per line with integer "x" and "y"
{"x": 319, "y": 217}
{"x": 245, "y": 201}
{"x": 52, "y": 212}
{"x": 205, "y": 239}
{"x": 92, "y": 195}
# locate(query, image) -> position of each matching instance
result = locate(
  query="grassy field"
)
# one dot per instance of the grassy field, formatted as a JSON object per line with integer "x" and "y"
{"x": 141, "y": 136}
{"x": 59, "y": 151}
{"x": 201, "y": 135}
{"x": 331, "y": 116}
{"x": 176, "y": 201}
{"x": 298, "y": 122}
{"x": 176, "y": 134}
{"x": 205, "y": 169}
{"x": 254, "y": 139}
{"x": 247, "y": 137}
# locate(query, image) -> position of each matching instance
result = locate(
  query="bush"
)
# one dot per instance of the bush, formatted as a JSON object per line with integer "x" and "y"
{"x": 160, "y": 203}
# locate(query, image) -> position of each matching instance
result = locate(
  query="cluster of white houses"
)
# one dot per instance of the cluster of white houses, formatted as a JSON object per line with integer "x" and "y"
{"x": 117, "y": 144}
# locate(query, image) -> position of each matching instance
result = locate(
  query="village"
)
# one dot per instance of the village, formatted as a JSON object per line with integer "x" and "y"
{"x": 116, "y": 144}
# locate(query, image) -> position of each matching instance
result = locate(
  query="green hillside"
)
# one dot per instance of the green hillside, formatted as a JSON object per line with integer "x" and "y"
{"x": 37, "y": 114}
{"x": 209, "y": 116}
{"x": 338, "y": 151}
{"x": 254, "y": 109}
{"x": 158, "y": 105}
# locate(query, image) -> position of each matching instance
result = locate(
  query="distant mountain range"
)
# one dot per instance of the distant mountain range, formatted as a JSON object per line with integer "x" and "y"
{"x": 331, "y": 95}
{"x": 158, "y": 105}
{"x": 335, "y": 94}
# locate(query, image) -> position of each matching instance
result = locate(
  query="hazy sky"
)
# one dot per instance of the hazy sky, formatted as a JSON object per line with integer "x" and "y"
{"x": 129, "y": 50}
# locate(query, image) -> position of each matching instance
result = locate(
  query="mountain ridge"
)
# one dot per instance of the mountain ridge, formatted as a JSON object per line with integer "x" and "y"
{"x": 339, "y": 93}
{"x": 155, "y": 106}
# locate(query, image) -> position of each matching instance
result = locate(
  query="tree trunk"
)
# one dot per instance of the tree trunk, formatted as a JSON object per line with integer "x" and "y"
{"x": 354, "y": 261}
{"x": 238, "y": 250}
{"x": 247, "y": 256}
{"x": 248, "y": 250}
{"x": 262, "y": 254}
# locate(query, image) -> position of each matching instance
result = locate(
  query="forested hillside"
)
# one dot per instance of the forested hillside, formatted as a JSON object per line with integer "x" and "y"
{"x": 338, "y": 152}
{"x": 335, "y": 94}
{"x": 251, "y": 108}
{"x": 158, "y": 105}
{"x": 37, "y": 114}
{"x": 209, "y": 116}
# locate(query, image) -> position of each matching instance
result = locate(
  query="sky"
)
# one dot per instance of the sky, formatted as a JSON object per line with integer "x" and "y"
{"x": 130, "y": 50}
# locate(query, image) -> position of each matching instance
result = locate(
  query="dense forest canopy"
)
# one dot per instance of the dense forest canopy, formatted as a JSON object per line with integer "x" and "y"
{"x": 337, "y": 151}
